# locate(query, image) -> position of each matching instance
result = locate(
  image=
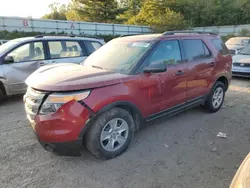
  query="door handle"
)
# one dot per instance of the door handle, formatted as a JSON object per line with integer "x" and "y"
{"x": 179, "y": 72}
{"x": 40, "y": 63}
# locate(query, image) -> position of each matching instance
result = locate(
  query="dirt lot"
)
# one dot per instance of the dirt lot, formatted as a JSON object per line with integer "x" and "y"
{"x": 178, "y": 152}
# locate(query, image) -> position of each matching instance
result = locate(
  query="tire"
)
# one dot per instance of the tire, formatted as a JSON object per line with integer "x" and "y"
{"x": 100, "y": 137}
{"x": 1, "y": 95}
{"x": 217, "y": 94}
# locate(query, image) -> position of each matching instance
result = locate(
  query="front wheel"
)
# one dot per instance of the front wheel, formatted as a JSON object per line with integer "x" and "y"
{"x": 216, "y": 97}
{"x": 1, "y": 95}
{"x": 110, "y": 134}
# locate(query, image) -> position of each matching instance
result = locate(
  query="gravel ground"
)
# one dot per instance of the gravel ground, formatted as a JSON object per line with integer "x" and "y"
{"x": 178, "y": 152}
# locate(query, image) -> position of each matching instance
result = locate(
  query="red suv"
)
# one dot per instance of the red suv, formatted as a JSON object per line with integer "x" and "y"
{"x": 127, "y": 82}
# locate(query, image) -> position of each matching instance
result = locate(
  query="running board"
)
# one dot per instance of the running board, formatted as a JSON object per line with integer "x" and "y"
{"x": 177, "y": 109}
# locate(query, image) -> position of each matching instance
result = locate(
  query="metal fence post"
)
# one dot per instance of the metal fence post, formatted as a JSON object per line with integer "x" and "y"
{"x": 57, "y": 27}
{"x": 31, "y": 23}
{"x": 4, "y": 26}
{"x": 79, "y": 28}
{"x": 96, "y": 28}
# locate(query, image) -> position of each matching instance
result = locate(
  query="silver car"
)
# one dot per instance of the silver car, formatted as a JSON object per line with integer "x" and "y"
{"x": 236, "y": 44}
{"x": 21, "y": 57}
{"x": 241, "y": 63}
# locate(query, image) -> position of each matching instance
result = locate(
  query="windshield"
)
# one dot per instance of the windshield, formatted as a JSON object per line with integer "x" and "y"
{"x": 245, "y": 51}
{"x": 7, "y": 46}
{"x": 118, "y": 56}
{"x": 238, "y": 41}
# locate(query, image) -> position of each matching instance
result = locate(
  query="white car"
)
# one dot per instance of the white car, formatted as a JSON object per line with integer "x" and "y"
{"x": 235, "y": 44}
{"x": 241, "y": 178}
{"x": 241, "y": 63}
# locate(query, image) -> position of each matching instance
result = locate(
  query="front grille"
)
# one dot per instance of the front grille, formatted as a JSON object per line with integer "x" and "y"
{"x": 33, "y": 100}
{"x": 241, "y": 64}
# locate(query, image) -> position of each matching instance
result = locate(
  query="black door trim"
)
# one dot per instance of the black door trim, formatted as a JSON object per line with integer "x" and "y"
{"x": 178, "y": 108}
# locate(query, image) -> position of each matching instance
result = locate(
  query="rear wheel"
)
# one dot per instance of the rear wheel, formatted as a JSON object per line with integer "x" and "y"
{"x": 216, "y": 97}
{"x": 111, "y": 133}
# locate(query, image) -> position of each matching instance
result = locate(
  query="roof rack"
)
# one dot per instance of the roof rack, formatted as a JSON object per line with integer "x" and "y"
{"x": 41, "y": 36}
{"x": 128, "y": 35}
{"x": 94, "y": 37}
{"x": 188, "y": 32}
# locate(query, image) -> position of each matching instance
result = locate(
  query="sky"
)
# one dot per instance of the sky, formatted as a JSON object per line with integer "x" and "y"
{"x": 27, "y": 8}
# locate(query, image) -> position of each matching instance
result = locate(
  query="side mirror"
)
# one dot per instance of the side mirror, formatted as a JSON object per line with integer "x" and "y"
{"x": 155, "y": 68}
{"x": 9, "y": 59}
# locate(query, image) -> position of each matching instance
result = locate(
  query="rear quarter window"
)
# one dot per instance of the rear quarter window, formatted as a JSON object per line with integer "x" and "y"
{"x": 92, "y": 46}
{"x": 220, "y": 46}
{"x": 195, "y": 49}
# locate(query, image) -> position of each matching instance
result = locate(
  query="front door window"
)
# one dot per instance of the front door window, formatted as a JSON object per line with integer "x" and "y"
{"x": 28, "y": 52}
{"x": 166, "y": 52}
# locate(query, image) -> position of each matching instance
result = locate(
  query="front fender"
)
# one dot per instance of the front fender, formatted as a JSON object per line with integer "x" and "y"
{"x": 123, "y": 104}
{"x": 3, "y": 82}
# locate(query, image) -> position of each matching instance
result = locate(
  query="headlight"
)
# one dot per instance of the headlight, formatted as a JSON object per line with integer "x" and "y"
{"x": 56, "y": 100}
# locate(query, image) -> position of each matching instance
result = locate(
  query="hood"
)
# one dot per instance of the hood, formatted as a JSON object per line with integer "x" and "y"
{"x": 234, "y": 47}
{"x": 241, "y": 58}
{"x": 71, "y": 77}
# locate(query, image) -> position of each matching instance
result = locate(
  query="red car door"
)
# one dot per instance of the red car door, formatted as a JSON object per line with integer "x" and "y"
{"x": 200, "y": 67}
{"x": 166, "y": 89}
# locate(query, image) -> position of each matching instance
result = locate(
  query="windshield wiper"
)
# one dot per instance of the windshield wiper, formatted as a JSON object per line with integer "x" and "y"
{"x": 97, "y": 67}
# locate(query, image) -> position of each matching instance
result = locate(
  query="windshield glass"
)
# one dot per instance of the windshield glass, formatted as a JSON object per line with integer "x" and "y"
{"x": 237, "y": 41}
{"x": 118, "y": 56}
{"x": 7, "y": 45}
{"x": 245, "y": 51}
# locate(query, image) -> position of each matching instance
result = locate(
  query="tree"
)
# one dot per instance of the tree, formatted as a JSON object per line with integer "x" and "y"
{"x": 72, "y": 13}
{"x": 57, "y": 12}
{"x": 159, "y": 16}
{"x": 98, "y": 10}
{"x": 131, "y": 7}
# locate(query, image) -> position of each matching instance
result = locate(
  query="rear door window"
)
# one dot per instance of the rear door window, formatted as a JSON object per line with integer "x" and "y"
{"x": 92, "y": 46}
{"x": 65, "y": 49}
{"x": 55, "y": 48}
{"x": 28, "y": 52}
{"x": 195, "y": 49}
{"x": 220, "y": 46}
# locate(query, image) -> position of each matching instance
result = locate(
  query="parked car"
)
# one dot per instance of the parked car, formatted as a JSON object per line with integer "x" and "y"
{"x": 3, "y": 41}
{"x": 20, "y": 57}
{"x": 129, "y": 81}
{"x": 241, "y": 178}
{"x": 235, "y": 44}
{"x": 241, "y": 63}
